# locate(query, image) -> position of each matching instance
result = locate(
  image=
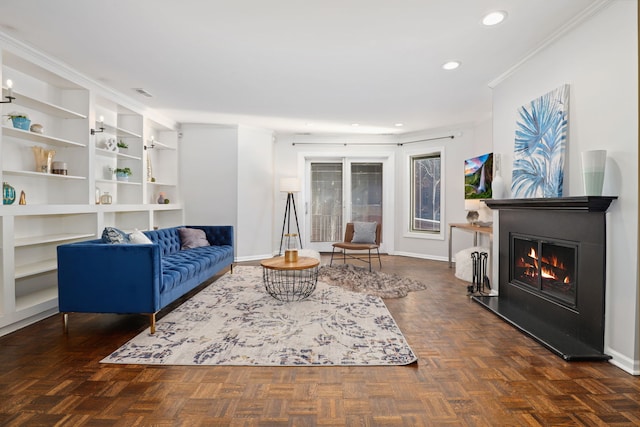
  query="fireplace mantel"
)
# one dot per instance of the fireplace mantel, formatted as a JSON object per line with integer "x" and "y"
{"x": 570, "y": 325}
{"x": 578, "y": 203}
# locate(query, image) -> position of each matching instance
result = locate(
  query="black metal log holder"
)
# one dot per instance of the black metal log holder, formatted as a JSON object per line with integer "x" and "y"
{"x": 479, "y": 270}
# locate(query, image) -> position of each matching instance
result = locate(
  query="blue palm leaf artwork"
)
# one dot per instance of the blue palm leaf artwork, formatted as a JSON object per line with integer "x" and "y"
{"x": 540, "y": 145}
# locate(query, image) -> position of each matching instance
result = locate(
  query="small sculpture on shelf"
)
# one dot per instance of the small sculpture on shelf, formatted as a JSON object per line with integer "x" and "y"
{"x": 23, "y": 198}
{"x": 37, "y": 128}
{"x": 8, "y": 194}
{"x": 162, "y": 200}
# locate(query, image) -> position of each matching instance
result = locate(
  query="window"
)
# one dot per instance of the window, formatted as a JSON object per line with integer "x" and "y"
{"x": 425, "y": 193}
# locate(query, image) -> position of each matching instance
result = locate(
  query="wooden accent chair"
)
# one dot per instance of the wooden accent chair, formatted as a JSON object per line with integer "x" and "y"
{"x": 348, "y": 245}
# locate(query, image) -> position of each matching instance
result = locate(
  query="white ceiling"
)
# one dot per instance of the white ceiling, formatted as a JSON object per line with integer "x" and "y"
{"x": 295, "y": 65}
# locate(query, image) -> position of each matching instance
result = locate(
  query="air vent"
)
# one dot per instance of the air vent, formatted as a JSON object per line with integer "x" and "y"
{"x": 142, "y": 92}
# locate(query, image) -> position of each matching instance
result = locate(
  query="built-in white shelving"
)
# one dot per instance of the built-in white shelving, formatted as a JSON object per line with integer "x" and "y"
{"x": 63, "y": 208}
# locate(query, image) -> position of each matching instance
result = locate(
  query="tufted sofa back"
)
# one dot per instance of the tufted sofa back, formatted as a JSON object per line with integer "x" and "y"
{"x": 167, "y": 238}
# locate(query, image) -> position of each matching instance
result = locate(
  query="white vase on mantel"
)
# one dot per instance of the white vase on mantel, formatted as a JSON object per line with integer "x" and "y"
{"x": 497, "y": 185}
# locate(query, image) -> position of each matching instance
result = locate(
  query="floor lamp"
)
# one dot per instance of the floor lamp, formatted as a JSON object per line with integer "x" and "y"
{"x": 289, "y": 186}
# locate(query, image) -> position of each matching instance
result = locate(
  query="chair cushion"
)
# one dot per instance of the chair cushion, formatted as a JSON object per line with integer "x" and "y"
{"x": 364, "y": 232}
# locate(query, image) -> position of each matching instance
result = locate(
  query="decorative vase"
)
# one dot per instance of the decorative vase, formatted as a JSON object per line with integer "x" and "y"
{"x": 593, "y": 165}
{"x": 291, "y": 248}
{"x": 8, "y": 194}
{"x": 21, "y": 123}
{"x": 44, "y": 158}
{"x": 497, "y": 185}
{"x": 106, "y": 199}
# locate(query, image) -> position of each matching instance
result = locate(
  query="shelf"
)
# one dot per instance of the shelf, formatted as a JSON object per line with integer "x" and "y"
{"x": 42, "y": 175}
{"x": 47, "y": 296}
{"x": 43, "y": 106}
{"x": 159, "y": 146}
{"x": 118, "y": 154}
{"x": 38, "y": 137}
{"x": 36, "y": 268}
{"x": 166, "y": 184}
{"x": 51, "y": 238}
{"x": 124, "y": 133}
{"x": 45, "y": 209}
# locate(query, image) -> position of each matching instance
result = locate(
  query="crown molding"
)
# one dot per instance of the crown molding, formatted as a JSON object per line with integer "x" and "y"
{"x": 587, "y": 13}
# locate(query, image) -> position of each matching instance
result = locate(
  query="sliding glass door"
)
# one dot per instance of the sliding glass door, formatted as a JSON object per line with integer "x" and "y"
{"x": 341, "y": 191}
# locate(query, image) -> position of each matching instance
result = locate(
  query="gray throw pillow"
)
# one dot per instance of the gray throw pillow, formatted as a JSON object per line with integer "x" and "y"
{"x": 364, "y": 232}
{"x": 113, "y": 236}
{"x": 192, "y": 238}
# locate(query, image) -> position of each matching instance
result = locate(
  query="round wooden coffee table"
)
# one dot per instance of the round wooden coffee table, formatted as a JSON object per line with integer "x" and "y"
{"x": 290, "y": 281}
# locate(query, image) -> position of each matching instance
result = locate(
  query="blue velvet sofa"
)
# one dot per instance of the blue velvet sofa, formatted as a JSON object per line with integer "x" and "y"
{"x": 99, "y": 277}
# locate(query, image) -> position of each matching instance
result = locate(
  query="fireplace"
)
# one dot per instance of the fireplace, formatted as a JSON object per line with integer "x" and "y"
{"x": 552, "y": 272}
{"x": 545, "y": 267}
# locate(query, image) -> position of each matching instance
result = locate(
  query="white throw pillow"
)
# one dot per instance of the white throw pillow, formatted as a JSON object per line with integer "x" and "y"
{"x": 139, "y": 237}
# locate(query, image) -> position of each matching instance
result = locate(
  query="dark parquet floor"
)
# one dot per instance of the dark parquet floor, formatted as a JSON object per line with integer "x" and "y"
{"x": 473, "y": 370}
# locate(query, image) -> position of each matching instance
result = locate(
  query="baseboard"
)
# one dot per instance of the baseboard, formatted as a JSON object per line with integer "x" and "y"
{"x": 28, "y": 321}
{"x": 623, "y": 362}
{"x": 254, "y": 257}
{"x": 421, "y": 256}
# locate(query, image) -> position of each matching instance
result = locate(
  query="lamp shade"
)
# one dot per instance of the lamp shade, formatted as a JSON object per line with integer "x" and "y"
{"x": 472, "y": 204}
{"x": 290, "y": 185}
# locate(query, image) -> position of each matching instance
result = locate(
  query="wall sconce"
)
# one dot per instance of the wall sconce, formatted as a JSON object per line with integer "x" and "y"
{"x": 9, "y": 96}
{"x": 152, "y": 145}
{"x": 100, "y": 126}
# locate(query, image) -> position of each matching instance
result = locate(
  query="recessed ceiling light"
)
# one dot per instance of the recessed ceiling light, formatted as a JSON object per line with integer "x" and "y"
{"x": 355, "y": 124}
{"x": 399, "y": 125}
{"x": 451, "y": 65}
{"x": 494, "y": 18}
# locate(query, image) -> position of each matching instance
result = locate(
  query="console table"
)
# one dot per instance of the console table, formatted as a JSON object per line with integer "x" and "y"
{"x": 476, "y": 229}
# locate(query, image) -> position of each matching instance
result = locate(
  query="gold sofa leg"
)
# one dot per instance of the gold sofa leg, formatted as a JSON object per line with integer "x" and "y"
{"x": 152, "y": 323}
{"x": 65, "y": 322}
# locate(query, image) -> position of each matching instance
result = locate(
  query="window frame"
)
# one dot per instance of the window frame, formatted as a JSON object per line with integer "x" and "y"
{"x": 409, "y": 157}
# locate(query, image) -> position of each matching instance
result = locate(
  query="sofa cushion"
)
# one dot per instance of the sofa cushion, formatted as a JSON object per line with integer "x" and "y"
{"x": 192, "y": 238}
{"x": 182, "y": 266}
{"x": 113, "y": 235}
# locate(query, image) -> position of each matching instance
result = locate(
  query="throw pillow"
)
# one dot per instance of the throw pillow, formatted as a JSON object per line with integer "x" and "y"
{"x": 139, "y": 237}
{"x": 114, "y": 236}
{"x": 192, "y": 238}
{"x": 364, "y": 232}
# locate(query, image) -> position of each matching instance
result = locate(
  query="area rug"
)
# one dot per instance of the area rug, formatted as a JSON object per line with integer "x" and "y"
{"x": 378, "y": 283}
{"x": 235, "y": 322}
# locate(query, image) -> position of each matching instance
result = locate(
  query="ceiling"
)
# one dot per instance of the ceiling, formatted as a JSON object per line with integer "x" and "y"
{"x": 295, "y": 65}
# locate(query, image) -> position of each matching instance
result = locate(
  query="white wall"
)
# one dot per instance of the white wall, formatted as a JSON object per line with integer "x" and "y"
{"x": 254, "y": 189}
{"x": 468, "y": 141}
{"x": 226, "y": 178}
{"x": 599, "y": 60}
{"x": 209, "y": 157}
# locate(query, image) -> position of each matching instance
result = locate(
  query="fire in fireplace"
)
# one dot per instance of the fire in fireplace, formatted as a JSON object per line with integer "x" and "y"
{"x": 545, "y": 267}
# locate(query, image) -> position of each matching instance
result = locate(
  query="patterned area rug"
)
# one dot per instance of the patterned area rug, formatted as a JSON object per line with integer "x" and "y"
{"x": 235, "y": 322}
{"x": 378, "y": 283}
